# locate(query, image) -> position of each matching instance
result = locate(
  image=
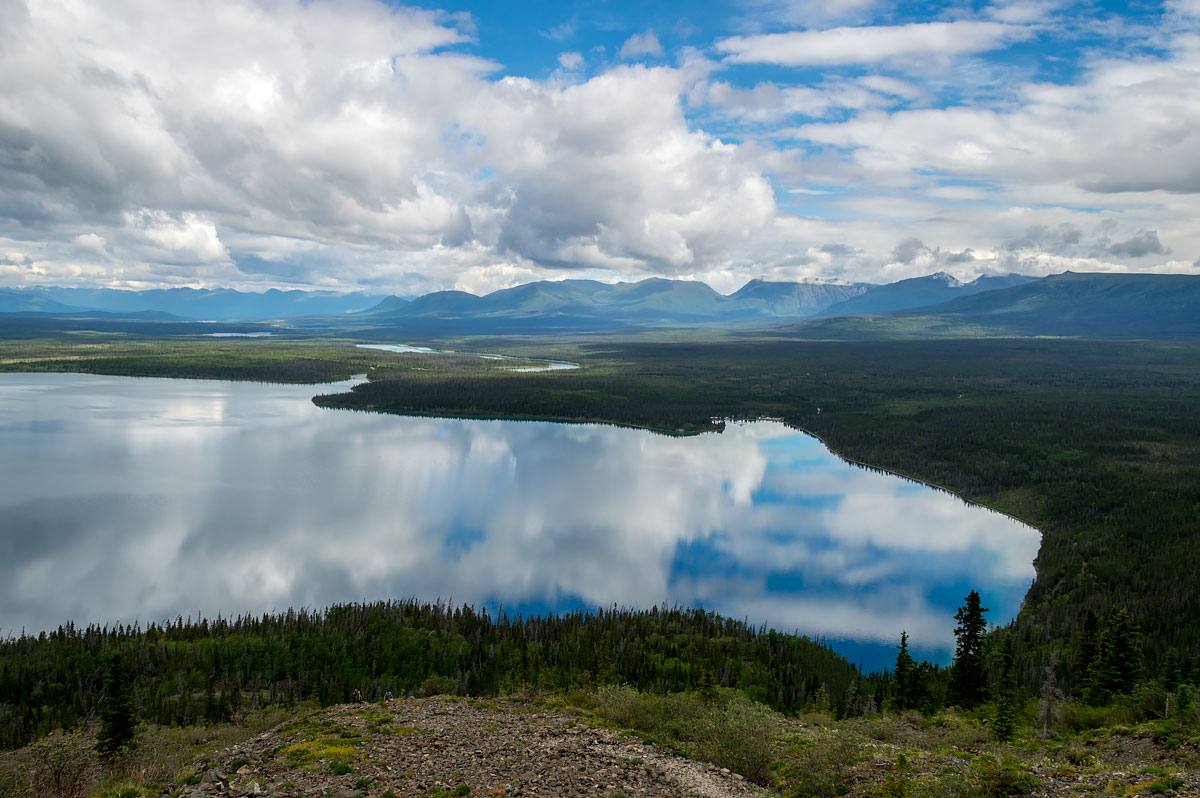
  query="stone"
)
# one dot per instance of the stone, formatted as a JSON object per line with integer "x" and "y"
{"x": 217, "y": 779}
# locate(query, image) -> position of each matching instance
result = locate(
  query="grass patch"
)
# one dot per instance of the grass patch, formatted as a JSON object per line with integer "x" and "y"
{"x": 314, "y": 751}
{"x": 730, "y": 730}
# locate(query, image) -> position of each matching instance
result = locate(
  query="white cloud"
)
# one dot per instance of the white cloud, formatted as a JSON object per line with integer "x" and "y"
{"x": 570, "y": 61}
{"x": 344, "y": 128}
{"x": 641, "y": 44}
{"x": 354, "y": 144}
{"x": 1024, "y": 11}
{"x": 90, "y": 243}
{"x": 864, "y": 45}
{"x": 816, "y": 13}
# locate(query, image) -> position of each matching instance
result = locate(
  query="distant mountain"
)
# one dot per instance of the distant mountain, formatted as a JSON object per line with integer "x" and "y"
{"x": 577, "y": 304}
{"x": 920, "y": 292}
{"x": 1089, "y": 305}
{"x": 201, "y": 303}
{"x": 15, "y": 301}
{"x": 1115, "y": 306}
{"x": 796, "y": 299}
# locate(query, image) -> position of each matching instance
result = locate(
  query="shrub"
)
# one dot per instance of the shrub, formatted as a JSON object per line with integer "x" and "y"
{"x": 820, "y": 767}
{"x": 439, "y": 685}
{"x": 731, "y": 730}
{"x": 1000, "y": 778}
{"x": 61, "y": 765}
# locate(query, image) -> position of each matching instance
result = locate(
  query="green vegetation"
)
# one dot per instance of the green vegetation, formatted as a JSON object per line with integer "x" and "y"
{"x": 723, "y": 727}
{"x": 202, "y": 671}
{"x": 968, "y": 684}
{"x": 1096, "y": 444}
{"x": 227, "y": 359}
{"x": 66, "y": 765}
{"x": 1123, "y": 751}
{"x": 118, "y": 718}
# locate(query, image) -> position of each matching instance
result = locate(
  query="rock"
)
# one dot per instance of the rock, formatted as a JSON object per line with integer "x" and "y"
{"x": 217, "y": 779}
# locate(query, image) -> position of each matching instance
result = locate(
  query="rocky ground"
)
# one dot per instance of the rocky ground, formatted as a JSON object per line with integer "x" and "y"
{"x": 443, "y": 746}
{"x": 449, "y": 747}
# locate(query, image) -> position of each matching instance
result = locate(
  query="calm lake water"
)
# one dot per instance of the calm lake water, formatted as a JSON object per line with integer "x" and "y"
{"x": 139, "y": 499}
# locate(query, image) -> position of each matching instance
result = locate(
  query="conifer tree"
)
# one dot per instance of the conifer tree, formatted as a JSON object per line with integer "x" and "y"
{"x": 1005, "y": 724}
{"x": 1118, "y": 662}
{"x": 118, "y": 722}
{"x": 1088, "y": 643}
{"x": 968, "y": 687}
{"x": 907, "y": 678}
{"x": 1171, "y": 672}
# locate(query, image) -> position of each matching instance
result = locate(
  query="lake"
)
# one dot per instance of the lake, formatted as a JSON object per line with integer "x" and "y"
{"x": 130, "y": 499}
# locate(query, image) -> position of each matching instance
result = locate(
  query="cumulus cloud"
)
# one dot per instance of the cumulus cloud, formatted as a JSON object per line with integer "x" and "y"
{"x": 570, "y": 61}
{"x": 357, "y": 144}
{"x": 350, "y": 129}
{"x": 1071, "y": 240}
{"x": 908, "y": 250}
{"x": 641, "y": 44}
{"x": 864, "y": 45}
{"x": 91, "y": 243}
{"x": 1139, "y": 246}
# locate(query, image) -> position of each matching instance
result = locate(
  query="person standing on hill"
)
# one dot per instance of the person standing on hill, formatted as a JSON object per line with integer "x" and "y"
{"x": 356, "y": 696}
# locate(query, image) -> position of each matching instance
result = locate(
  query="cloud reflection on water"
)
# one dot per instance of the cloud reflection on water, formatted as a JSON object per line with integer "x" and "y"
{"x": 142, "y": 499}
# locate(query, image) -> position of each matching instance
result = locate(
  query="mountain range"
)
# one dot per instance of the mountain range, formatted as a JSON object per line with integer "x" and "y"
{"x": 186, "y": 303}
{"x": 575, "y": 303}
{"x": 921, "y": 291}
{"x": 1088, "y": 305}
{"x": 1114, "y": 306}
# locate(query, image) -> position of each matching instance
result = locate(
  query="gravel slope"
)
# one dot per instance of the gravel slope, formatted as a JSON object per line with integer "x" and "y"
{"x": 439, "y": 747}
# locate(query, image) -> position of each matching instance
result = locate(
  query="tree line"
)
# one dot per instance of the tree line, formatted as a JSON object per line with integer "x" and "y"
{"x": 201, "y": 671}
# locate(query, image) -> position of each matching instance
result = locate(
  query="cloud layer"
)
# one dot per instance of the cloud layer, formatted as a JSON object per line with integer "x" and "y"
{"x": 276, "y": 142}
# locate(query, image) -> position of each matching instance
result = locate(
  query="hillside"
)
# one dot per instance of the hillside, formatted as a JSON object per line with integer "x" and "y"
{"x": 606, "y": 742}
{"x": 1089, "y": 306}
{"x": 582, "y": 304}
{"x": 298, "y": 655}
{"x": 186, "y": 303}
{"x": 1102, "y": 306}
{"x": 23, "y": 302}
{"x": 919, "y": 292}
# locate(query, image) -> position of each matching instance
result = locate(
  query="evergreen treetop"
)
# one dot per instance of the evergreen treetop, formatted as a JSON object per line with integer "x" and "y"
{"x": 968, "y": 686}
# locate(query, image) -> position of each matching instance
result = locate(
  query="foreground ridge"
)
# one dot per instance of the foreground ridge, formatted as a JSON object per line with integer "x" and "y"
{"x": 448, "y": 747}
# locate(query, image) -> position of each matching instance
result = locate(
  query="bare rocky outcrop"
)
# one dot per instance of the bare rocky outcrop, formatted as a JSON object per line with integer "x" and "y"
{"x": 441, "y": 747}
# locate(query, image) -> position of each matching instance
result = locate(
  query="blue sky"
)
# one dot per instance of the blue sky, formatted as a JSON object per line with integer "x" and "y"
{"x": 358, "y": 144}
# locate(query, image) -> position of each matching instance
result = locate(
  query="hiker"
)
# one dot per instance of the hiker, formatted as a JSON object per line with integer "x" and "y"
{"x": 387, "y": 696}
{"x": 356, "y": 696}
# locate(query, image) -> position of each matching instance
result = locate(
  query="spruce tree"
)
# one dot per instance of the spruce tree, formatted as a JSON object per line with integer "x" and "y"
{"x": 968, "y": 688}
{"x": 1118, "y": 662}
{"x": 1005, "y": 724}
{"x": 1086, "y": 654}
{"x": 906, "y": 677}
{"x": 118, "y": 721}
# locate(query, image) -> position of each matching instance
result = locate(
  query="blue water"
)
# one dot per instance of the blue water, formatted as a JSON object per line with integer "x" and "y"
{"x": 139, "y": 499}
{"x": 402, "y": 349}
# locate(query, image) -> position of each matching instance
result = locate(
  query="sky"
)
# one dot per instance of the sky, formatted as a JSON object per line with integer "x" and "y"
{"x": 368, "y": 145}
